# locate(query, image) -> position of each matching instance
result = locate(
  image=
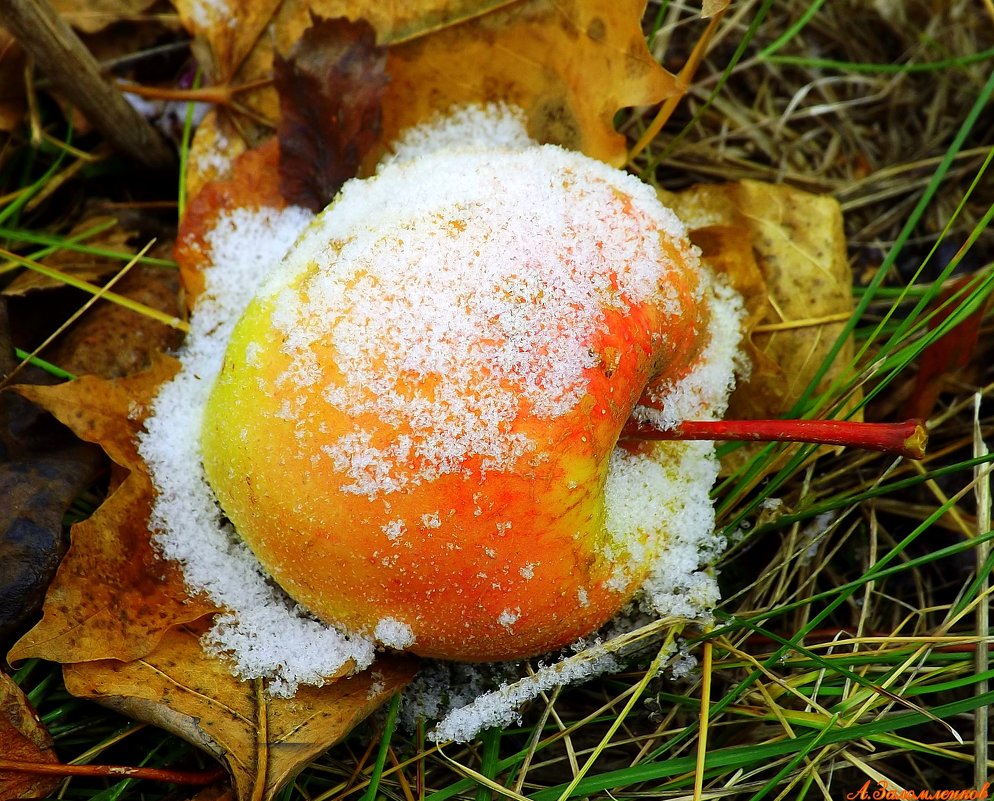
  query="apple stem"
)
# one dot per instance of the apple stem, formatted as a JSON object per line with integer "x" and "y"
{"x": 907, "y": 439}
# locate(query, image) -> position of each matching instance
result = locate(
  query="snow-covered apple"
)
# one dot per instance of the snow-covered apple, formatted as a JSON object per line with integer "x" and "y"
{"x": 416, "y": 425}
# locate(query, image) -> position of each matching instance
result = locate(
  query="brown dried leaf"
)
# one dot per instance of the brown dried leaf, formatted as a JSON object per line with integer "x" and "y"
{"x": 90, "y": 16}
{"x": 570, "y": 65}
{"x": 113, "y": 597}
{"x": 264, "y": 742}
{"x": 797, "y": 241}
{"x": 85, "y": 266}
{"x": 24, "y": 739}
{"x": 330, "y": 88}
{"x": 111, "y": 341}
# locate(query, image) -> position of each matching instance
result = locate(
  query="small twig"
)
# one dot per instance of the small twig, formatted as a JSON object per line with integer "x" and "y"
{"x": 71, "y": 67}
{"x": 219, "y": 95}
{"x": 189, "y": 777}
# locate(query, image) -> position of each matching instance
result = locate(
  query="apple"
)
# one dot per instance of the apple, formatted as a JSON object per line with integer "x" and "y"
{"x": 416, "y": 426}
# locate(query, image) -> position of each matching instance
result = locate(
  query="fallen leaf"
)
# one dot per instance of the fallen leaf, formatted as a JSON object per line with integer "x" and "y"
{"x": 108, "y": 235}
{"x": 264, "y": 742}
{"x": 113, "y": 597}
{"x": 212, "y": 151}
{"x": 219, "y": 46}
{"x": 23, "y": 739}
{"x": 254, "y": 184}
{"x": 797, "y": 241}
{"x": 571, "y": 66}
{"x": 945, "y": 358}
{"x": 112, "y": 341}
{"x": 42, "y": 468}
{"x": 330, "y": 87}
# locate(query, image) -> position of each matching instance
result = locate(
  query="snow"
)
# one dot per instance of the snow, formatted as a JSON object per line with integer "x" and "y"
{"x": 264, "y": 633}
{"x": 452, "y": 301}
{"x": 500, "y": 707}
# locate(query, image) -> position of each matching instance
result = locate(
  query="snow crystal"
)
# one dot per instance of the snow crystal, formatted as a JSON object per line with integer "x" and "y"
{"x": 471, "y": 127}
{"x": 394, "y": 634}
{"x": 509, "y": 617}
{"x": 498, "y": 708}
{"x": 703, "y": 394}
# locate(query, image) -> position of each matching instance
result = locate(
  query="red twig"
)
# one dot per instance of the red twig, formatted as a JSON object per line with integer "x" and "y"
{"x": 190, "y": 777}
{"x": 906, "y": 439}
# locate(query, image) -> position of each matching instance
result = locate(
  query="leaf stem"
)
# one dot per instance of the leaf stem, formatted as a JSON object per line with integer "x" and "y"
{"x": 907, "y": 439}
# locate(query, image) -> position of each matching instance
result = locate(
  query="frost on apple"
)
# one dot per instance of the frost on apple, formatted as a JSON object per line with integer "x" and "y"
{"x": 412, "y": 418}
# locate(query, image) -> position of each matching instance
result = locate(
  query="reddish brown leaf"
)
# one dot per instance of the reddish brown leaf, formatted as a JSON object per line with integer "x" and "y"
{"x": 944, "y": 358}
{"x": 254, "y": 184}
{"x": 23, "y": 738}
{"x": 113, "y": 597}
{"x": 330, "y": 87}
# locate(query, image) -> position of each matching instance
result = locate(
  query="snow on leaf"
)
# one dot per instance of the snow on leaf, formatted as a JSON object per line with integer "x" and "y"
{"x": 113, "y": 597}
{"x": 254, "y": 184}
{"x": 264, "y": 742}
{"x": 796, "y": 241}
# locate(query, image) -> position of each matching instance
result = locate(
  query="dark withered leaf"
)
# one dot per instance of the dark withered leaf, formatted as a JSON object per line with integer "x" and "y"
{"x": 330, "y": 89}
{"x": 42, "y": 468}
{"x": 37, "y": 492}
